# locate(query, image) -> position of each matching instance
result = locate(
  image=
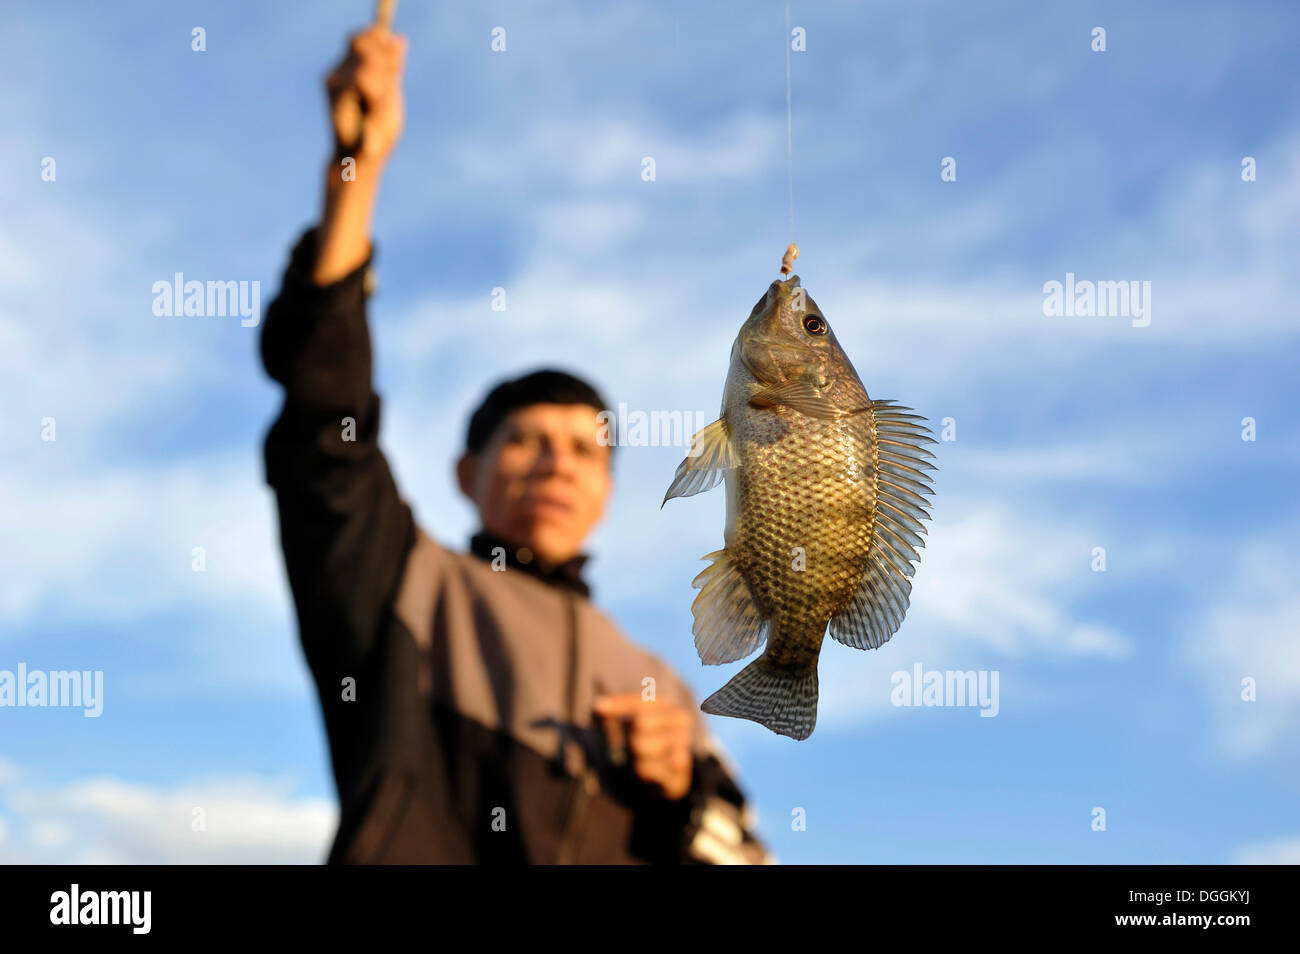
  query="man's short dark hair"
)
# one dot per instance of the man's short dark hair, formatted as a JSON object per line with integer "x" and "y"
{"x": 546, "y": 386}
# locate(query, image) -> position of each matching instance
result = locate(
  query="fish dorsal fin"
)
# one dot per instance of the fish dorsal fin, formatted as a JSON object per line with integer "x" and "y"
{"x": 703, "y": 469}
{"x": 728, "y": 626}
{"x": 877, "y": 609}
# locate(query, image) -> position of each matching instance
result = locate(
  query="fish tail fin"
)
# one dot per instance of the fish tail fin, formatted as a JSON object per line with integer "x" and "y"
{"x": 783, "y": 698}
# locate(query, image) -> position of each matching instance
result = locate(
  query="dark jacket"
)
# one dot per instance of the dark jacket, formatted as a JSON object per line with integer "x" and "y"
{"x": 456, "y": 687}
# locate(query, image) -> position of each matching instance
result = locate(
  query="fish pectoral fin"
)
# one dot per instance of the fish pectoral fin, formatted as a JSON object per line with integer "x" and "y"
{"x": 711, "y": 456}
{"x": 801, "y": 396}
{"x": 728, "y": 625}
{"x": 881, "y": 601}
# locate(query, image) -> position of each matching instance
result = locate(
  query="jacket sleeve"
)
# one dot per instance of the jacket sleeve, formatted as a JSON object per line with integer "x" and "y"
{"x": 344, "y": 528}
{"x": 711, "y": 824}
{"x": 722, "y": 825}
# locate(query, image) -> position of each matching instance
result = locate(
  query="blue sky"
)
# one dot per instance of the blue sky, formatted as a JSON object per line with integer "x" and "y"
{"x": 1118, "y": 689}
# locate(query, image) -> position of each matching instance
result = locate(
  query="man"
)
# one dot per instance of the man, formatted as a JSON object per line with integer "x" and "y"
{"x": 479, "y": 708}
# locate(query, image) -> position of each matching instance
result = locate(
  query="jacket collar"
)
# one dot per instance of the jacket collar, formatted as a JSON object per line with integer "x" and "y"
{"x": 566, "y": 575}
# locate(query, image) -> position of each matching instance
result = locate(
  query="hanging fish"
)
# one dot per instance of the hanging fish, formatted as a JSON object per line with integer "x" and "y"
{"x": 825, "y": 497}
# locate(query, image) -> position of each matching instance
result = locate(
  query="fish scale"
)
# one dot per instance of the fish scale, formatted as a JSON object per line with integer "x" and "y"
{"x": 811, "y": 462}
{"x": 822, "y": 512}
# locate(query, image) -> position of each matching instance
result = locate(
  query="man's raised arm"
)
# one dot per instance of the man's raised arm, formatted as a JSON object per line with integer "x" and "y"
{"x": 344, "y": 528}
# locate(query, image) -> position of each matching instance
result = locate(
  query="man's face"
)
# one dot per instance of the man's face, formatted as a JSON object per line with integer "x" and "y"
{"x": 542, "y": 480}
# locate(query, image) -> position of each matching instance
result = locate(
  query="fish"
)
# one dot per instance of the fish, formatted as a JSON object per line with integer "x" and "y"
{"x": 826, "y": 497}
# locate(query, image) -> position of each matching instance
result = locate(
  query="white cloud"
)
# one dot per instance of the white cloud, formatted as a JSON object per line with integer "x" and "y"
{"x": 1004, "y": 578}
{"x": 46, "y": 833}
{"x": 117, "y": 543}
{"x": 1247, "y": 627}
{"x": 106, "y": 820}
{"x": 1279, "y": 851}
{"x": 992, "y": 592}
{"x": 994, "y": 588}
{"x": 1112, "y": 461}
{"x": 116, "y": 546}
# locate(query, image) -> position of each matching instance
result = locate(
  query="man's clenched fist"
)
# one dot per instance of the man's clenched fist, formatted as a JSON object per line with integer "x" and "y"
{"x": 655, "y": 735}
{"x": 368, "y": 81}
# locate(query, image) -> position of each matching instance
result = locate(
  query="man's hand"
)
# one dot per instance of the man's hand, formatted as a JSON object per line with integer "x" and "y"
{"x": 369, "y": 80}
{"x": 370, "y": 74}
{"x": 656, "y": 737}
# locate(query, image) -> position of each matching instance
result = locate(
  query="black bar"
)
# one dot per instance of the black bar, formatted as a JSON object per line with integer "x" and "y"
{"x": 970, "y": 902}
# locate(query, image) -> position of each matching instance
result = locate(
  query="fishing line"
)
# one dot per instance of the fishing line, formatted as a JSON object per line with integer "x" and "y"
{"x": 792, "y": 252}
{"x": 789, "y": 138}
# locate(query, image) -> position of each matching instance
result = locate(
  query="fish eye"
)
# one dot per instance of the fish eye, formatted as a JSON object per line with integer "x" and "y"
{"x": 814, "y": 325}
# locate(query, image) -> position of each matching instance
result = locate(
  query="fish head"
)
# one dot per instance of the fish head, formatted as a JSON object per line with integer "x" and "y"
{"x": 787, "y": 339}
